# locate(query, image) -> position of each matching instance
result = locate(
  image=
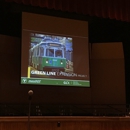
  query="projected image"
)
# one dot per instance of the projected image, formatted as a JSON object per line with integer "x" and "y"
{"x": 52, "y": 59}
{"x": 49, "y": 54}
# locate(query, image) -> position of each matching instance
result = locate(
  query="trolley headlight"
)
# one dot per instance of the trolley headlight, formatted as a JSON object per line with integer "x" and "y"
{"x": 61, "y": 62}
{"x": 46, "y": 60}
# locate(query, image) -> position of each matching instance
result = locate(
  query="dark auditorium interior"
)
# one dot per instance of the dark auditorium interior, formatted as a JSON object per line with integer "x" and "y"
{"x": 105, "y": 105}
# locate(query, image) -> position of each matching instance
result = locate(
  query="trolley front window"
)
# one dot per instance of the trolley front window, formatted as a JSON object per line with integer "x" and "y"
{"x": 50, "y": 52}
{"x": 58, "y": 53}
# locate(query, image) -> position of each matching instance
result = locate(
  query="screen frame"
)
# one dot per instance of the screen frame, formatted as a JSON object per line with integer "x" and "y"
{"x": 31, "y": 15}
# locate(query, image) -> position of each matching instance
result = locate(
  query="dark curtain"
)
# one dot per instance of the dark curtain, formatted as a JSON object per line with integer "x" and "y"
{"x": 113, "y": 9}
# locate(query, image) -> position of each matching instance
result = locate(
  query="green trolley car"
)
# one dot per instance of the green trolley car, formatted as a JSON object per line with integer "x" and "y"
{"x": 48, "y": 55}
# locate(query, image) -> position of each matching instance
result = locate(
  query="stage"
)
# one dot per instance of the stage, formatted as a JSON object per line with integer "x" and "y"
{"x": 65, "y": 123}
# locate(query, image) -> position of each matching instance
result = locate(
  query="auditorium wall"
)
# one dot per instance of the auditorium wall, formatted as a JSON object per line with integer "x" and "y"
{"x": 106, "y": 71}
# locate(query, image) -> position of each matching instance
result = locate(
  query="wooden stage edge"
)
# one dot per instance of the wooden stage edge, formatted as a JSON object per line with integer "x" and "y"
{"x": 64, "y": 118}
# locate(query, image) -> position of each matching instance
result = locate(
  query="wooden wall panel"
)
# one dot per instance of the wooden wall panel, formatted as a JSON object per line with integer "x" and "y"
{"x": 108, "y": 73}
{"x": 14, "y": 126}
{"x": 12, "y": 92}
